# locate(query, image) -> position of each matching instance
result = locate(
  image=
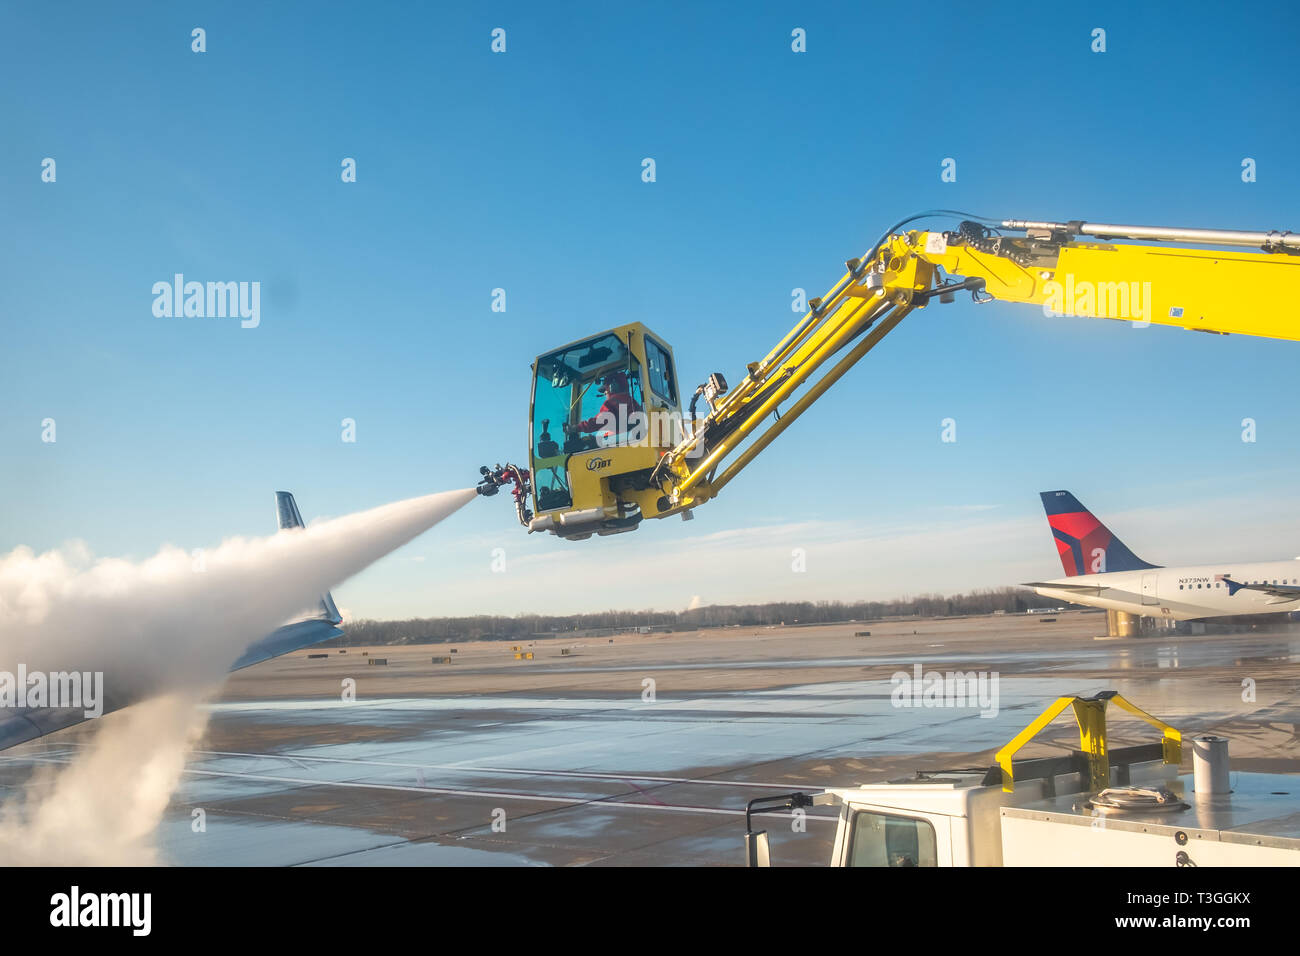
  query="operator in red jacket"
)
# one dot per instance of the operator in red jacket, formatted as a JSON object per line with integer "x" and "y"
{"x": 617, "y": 407}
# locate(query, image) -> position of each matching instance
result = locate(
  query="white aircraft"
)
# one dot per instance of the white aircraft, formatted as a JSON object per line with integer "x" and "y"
{"x": 1102, "y": 572}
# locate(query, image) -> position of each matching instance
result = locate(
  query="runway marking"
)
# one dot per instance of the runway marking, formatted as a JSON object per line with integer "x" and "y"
{"x": 33, "y": 756}
{"x": 494, "y": 794}
{"x": 581, "y": 774}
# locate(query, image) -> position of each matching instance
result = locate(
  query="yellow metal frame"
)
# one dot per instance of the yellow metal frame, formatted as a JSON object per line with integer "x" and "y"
{"x": 1240, "y": 291}
{"x": 859, "y": 305}
{"x": 1090, "y": 714}
{"x": 1243, "y": 292}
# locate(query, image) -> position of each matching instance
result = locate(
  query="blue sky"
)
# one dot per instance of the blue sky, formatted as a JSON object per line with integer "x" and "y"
{"x": 521, "y": 171}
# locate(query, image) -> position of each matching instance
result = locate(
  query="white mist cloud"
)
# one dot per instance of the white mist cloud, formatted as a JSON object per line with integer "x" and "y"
{"x": 170, "y": 625}
{"x": 174, "y": 621}
{"x": 103, "y": 807}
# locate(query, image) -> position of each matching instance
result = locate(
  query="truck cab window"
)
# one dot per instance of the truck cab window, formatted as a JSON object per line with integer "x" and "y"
{"x": 879, "y": 839}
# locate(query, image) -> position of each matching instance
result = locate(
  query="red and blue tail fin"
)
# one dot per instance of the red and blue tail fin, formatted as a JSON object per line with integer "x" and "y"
{"x": 1086, "y": 546}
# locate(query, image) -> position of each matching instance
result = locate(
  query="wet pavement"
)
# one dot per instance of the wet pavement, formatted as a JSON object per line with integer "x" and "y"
{"x": 566, "y": 761}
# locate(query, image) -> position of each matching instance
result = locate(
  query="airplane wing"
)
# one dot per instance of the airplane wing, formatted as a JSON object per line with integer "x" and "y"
{"x": 1281, "y": 593}
{"x": 1094, "y": 589}
{"x": 19, "y": 725}
{"x": 291, "y": 637}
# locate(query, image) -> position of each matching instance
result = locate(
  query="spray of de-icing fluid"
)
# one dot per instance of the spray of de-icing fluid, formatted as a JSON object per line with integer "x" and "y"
{"x": 163, "y": 631}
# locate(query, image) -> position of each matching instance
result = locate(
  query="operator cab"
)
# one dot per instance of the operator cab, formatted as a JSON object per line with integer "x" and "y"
{"x": 603, "y": 411}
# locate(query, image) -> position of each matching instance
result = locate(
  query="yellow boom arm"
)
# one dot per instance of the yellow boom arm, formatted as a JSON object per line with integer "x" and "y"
{"x": 1251, "y": 289}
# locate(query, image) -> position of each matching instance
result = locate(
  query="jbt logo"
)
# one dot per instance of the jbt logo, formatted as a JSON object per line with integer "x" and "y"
{"x": 595, "y": 464}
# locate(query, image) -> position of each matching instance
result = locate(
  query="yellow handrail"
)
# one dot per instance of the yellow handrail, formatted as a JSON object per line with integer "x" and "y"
{"x": 1090, "y": 713}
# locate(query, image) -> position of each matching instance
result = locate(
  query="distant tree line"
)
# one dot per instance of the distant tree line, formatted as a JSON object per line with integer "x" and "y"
{"x": 495, "y": 627}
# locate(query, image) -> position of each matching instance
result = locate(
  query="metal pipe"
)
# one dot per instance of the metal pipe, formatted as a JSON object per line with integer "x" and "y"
{"x": 826, "y": 381}
{"x": 791, "y": 340}
{"x": 1214, "y": 237}
{"x": 843, "y": 333}
{"x": 830, "y": 304}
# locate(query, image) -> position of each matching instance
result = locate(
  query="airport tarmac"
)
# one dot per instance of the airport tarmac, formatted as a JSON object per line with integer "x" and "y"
{"x": 567, "y": 759}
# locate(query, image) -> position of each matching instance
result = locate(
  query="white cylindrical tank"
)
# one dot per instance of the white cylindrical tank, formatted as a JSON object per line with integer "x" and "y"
{"x": 1210, "y": 764}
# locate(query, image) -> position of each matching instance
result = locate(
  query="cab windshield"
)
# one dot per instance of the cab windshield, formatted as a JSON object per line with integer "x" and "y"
{"x": 585, "y": 396}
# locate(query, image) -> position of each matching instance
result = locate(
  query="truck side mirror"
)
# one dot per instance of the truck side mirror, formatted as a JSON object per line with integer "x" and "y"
{"x": 756, "y": 849}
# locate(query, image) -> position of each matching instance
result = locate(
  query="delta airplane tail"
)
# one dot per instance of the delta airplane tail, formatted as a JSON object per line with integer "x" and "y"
{"x": 1086, "y": 546}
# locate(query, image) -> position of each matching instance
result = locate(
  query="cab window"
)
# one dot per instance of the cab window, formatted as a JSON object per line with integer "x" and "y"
{"x": 659, "y": 371}
{"x": 607, "y": 411}
{"x": 881, "y": 839}
{"x": 574, "y": 384}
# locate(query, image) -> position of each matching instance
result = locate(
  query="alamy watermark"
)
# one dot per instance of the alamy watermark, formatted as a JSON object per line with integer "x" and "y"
{"x": 976, "y": 689}
{"x": 1100, "y": 300}
{"x": 63, "y": 689}
{"x": 75, "y": 908}
{"x": 634, "y": 428}
{"x": 210, "y": 300}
